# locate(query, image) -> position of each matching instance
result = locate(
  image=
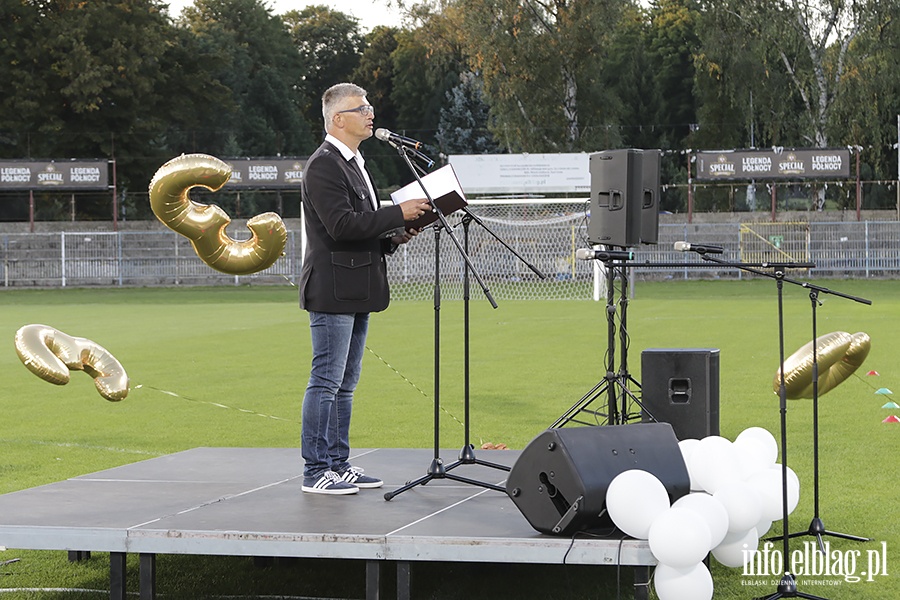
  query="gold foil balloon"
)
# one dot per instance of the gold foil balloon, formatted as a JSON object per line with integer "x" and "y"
{"x": 51, "y": 354}
{"x": 205, "y": 224}
{"x": 838, "y": 355}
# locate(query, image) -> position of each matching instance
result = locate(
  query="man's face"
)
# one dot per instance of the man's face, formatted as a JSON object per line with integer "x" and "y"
{"x": 355, "y": 118}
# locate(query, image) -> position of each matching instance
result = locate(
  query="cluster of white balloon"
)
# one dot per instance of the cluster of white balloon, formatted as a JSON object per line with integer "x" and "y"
{"x": 736, "y": 494}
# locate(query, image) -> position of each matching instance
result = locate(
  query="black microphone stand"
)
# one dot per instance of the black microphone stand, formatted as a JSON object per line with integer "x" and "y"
{"x": 816, "y": 526}
{"x": 437, "y": 470}
{"x": 787, "y": 585}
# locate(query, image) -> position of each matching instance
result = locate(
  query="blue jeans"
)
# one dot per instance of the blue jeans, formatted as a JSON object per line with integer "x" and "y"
{"x": 338, "y": 343}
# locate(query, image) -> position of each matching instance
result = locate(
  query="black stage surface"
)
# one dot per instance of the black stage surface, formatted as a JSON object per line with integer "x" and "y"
{"x": 248, "y": 502}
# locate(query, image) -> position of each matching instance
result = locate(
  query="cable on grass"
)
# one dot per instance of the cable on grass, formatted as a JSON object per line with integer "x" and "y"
{"x": 415, "y": 387}
{"x": 216, "y": 404}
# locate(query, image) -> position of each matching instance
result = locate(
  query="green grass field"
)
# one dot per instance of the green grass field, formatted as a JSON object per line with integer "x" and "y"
{"x": 227, "y": 367}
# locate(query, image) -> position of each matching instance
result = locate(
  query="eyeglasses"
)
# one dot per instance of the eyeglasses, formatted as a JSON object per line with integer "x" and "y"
{"x": 366, "y": 110}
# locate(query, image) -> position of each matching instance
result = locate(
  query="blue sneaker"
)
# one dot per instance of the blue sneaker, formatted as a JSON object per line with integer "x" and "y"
{"x": 328, "y": 482}
{"x": 355, "y": 476}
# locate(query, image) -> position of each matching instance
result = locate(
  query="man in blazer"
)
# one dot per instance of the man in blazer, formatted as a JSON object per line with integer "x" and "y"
{"x": 343, "y": 279}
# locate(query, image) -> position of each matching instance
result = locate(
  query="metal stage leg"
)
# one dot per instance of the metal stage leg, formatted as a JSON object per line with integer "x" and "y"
{"x": 641, "y": 583}
{"x": 77, "y": 555}
{"x": 148, "y": 577}
{"x": 404, "y": 577}
{"x": 117, "y": 576}
{"x": 373, "y": 579}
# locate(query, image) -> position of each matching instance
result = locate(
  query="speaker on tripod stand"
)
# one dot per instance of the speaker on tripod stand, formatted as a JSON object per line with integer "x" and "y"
{"x": 624, "y": 197}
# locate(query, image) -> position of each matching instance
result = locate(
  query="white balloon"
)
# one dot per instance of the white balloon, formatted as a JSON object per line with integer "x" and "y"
{"x": 763, "y": 527}
{"x": 634, "y": 499}
{"x": 752, "y": 456}
{"x": 765, "y": 438}
{"x": 711, "y": 510}
{"x": 692, "y": 583}
{"x": 679, "y": 537}
{"x": 687, "y": 447}
{"x": 742, "y": 504}
{"x": 714, "y": 463}
{"x": 737, "y": 548}
{"x": 768, "y": 485}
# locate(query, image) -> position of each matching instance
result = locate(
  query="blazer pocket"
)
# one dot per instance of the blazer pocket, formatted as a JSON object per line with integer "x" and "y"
{"x": 362, "y": 194}
{"x": 352, "y": 275}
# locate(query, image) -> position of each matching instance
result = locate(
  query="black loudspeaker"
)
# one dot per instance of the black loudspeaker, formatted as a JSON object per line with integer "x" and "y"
{"x": 650, "y": 197}
{"x": 680, "y": 386}
{"x": 616, "y": 198}
{"x": 560, "y": 480}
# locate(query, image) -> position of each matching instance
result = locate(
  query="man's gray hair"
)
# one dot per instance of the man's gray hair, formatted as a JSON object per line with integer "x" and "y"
{"x": 333, "y": 97}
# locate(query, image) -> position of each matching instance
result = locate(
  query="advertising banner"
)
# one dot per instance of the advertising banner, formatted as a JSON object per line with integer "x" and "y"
{"x": 54, "y": 174}
{"x": 786, "y": 163}
{"x": 265, "y": 173}
{"x": 523, "y": 173}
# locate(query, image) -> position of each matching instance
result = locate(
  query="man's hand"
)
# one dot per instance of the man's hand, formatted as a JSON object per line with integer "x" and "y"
{"x": 413, "y": 209}
{"x": 405, "y": 236}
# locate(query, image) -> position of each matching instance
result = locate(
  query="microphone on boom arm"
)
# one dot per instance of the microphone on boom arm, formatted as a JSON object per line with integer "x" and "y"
{"x": 591, "y": 254}
{"x": 699, "y": 248}
{"x": 407, "y": 144}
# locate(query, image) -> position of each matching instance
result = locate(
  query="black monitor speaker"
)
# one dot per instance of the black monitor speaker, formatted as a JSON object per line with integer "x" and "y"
{"x": 559, "y": 482}
{"x": 680, "y": 386}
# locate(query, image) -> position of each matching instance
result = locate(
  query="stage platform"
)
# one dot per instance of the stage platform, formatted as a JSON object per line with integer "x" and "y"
{"x": 248, "y": 502}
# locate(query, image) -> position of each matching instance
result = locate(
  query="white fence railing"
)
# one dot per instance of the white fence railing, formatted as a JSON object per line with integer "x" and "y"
{"x": 545, "y": 235}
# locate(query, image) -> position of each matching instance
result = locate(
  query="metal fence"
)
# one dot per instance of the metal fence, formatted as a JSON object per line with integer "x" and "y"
{"x": 504, "y": 242}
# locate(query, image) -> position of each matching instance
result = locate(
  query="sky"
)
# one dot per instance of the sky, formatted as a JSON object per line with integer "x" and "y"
{"x": 370, "y": 13}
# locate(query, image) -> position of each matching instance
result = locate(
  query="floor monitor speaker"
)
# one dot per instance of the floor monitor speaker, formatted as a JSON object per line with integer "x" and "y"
{"x": 680, "y": 386}
{"x": 559, "y": 481}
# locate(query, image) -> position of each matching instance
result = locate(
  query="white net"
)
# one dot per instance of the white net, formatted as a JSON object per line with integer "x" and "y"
{"x": 501, "y": 239}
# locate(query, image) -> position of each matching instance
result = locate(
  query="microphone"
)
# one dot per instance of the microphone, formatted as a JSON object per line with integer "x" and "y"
{"x": 385, "y": 135}
{"x": 699, "y": 248}
{"x": 408, "y": 145}
{"x": 591, "y": 254}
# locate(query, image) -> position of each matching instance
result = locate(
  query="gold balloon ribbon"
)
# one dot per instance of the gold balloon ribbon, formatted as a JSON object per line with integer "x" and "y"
{"x": 205, "y": 224}
{"x": 51, "y": 354}
{"x": 838, "y": 355}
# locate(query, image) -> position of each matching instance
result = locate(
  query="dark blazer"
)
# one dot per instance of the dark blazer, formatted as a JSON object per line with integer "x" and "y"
{"x": 344, "y": 270}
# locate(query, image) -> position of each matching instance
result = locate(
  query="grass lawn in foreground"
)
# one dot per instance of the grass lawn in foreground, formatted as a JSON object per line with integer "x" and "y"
{"x": 227, "y": 367}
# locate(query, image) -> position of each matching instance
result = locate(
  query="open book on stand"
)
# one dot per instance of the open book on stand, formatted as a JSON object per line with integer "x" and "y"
{"x": 444, "y": 189}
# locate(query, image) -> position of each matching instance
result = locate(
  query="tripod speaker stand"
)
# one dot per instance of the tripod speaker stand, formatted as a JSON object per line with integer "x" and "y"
{"x": 616, "y": 385}
{"x": 437, "y": 469}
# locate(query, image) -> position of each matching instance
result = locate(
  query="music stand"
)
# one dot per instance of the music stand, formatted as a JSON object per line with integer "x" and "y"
{"x": 437, "y": 469}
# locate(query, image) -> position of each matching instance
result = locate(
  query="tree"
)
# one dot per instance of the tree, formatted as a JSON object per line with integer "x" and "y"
{"x": 805, "y": 44}
{"x": 540, "y": 62}
{"x": 329, "y": 45}
{"x": 464, "y": 120}
{"x": 253, "y": 55}
{"x": 100, "y": 79}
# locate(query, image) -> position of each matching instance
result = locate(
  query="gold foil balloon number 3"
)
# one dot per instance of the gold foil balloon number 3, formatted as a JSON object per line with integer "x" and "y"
{"x": 50, "y": 354}
{"x": 205, "y": 224}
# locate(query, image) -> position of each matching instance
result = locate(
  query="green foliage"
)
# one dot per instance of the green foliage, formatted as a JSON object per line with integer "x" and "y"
{"x": 329, "y": 46}
{"x": 257, "y": 61}
{"x": 109, "y": 79}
